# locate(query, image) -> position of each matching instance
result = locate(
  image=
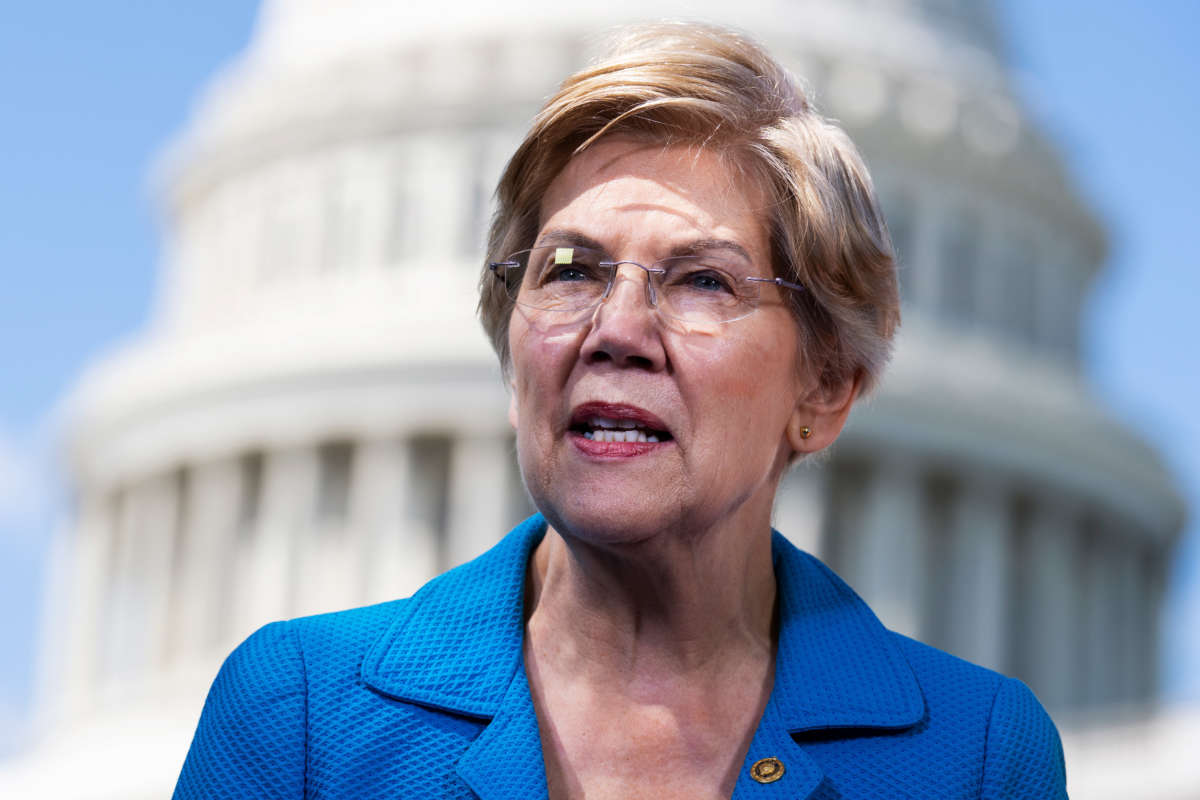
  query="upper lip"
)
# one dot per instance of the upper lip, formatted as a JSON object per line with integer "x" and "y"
{"x": 585, "y": 412}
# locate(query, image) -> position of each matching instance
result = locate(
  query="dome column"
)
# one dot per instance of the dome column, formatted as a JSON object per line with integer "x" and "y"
{"x": 1156, "y": 584}
{"x": 478, "y": 494}
{"x": 1126, "y": 590}
{"x": 266, "y": 566}
{"x": 202, "y": 594}
{"x": 88, "y": 587}
{"x": 979, "y": 551}
{"x": 1053, "y": 588}
{"x": 1098, "y": 648}
{"x": 400, "y": 551}
{"x": 143, "y": 563}
{"x": 891, "y": 545}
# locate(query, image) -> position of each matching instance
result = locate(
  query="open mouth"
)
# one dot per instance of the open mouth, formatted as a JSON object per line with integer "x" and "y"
{"x": 602, "y": 422}
{"x": 602, "y": 429}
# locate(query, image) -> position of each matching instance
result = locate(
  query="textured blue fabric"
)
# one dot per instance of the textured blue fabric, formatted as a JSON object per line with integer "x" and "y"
{"x": 427, "y": 698}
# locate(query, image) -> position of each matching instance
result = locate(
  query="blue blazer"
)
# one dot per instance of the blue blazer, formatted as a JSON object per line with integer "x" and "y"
{"x": 427, "y": 698}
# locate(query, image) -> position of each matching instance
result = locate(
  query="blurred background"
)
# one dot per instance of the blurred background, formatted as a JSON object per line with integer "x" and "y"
{"x": 241, "y": 380}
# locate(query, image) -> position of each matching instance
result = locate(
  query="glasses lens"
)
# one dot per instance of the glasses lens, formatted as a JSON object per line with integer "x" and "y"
{"x": 557, "y": 278}
{"x": 703, "y": 290}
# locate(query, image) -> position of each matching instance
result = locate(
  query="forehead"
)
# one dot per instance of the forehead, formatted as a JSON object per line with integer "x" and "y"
{"x": 625, "y": 193}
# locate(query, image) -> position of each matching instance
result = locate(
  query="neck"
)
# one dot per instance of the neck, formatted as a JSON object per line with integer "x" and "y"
{"x": 669, "y": 606}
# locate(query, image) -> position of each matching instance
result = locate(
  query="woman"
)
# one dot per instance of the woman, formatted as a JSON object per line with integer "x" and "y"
{"x": 689, "y": 284}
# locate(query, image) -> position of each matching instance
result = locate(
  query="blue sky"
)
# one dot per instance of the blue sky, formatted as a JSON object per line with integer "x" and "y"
{"x": 92, "y": 91}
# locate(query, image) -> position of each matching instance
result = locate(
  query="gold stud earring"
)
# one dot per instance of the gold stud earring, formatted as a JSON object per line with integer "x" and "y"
{"x": 805, "y": 432}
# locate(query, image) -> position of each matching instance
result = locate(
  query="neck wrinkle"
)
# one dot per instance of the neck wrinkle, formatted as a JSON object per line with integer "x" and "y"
{"x": 646, "y": 613}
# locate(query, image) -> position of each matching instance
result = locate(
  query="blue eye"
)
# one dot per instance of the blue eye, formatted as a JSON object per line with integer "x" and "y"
{"x": 708, "y": 282}
{"x": 702, "y": 279}
{"x": 569, "y": 272}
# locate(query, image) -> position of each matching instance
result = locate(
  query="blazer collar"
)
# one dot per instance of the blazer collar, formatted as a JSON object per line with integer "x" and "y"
{"x": 837, "y": 666}
{"x": 456, "y": 644}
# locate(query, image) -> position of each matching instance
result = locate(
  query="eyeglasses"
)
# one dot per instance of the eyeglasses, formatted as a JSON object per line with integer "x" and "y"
{"x": 697, "y": 289}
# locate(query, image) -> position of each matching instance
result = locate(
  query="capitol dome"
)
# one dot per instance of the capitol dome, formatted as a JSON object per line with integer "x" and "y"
{"x": 313, "y": 418}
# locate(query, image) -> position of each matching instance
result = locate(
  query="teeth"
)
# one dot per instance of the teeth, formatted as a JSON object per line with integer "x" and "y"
{"x": 605, "y": 429}
{"x": 605, "y": 422}
{"x": 603, "y": 435}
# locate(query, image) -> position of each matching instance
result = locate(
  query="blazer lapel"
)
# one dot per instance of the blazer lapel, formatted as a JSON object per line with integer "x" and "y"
{"x": 456, "y": 644}
{"x": 456, "y": 647}
{"x": 506, "y": 760}
{"x": 836, "y": 666}
{"x": 772, "y": 740}
{"x": 836, "y": 669}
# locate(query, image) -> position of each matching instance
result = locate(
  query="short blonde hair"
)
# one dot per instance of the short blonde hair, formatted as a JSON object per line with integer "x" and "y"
{"x": 690, "y": 84}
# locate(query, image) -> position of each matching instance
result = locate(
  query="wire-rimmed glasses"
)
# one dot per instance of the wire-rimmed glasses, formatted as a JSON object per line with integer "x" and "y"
{"x": 704, "y": 288}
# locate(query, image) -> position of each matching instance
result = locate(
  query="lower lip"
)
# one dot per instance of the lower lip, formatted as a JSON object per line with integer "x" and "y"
{"x": 614, "y": 449}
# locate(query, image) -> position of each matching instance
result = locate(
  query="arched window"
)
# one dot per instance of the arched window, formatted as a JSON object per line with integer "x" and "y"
{"x": 399, "y": 224}
{"x": 959, "y": 267}
{"x": 342, "y": 219}
{"x": 899, "y": 213}
{"x": 1018, "y": 292}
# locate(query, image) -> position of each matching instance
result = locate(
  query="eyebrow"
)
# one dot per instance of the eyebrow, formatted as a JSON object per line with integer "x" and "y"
{"x": 706, "y": 245}
{"x": 566, "y": 236}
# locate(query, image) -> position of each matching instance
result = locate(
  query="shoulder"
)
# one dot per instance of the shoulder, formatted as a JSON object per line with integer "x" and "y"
{"x": 250, "y": 740}
{"x": 338, "y": 641}
{"x": 277, "y": 658}
{"x": 343, "y": 636}
{"x": 1024, "y": 752}
{"x": 284, "y": 653}
{"x": 296, "y": 696}
{"x": 941, "y": 673}
{"x": 1017, "y": 740}
{"x": 324, "y": 648}
{"x": 250, "y": 733}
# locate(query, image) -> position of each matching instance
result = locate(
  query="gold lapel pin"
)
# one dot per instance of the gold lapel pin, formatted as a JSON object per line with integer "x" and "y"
{"x": 767, "y": 770}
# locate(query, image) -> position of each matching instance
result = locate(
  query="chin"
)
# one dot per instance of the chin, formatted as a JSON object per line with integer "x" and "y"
{"x": 602, "y": 526}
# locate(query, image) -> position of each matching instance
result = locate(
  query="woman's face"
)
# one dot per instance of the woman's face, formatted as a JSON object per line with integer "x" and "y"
{"x": 719, "y": 399}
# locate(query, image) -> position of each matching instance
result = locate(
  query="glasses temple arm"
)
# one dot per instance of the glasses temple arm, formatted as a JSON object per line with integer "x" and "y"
{"x": 495, "y": 267}
{"x": 779, "y": 282}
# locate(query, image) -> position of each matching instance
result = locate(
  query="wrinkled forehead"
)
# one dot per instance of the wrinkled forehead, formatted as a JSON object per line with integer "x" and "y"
{"x": 624, "y": 189}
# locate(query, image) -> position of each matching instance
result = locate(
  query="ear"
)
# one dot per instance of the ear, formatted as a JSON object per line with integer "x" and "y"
{"x": 823, "y": 411}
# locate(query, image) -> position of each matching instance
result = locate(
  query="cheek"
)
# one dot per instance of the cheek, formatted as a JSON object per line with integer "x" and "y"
{"x": 741, "y": 374}
{"x": 541, "y": 360}
{"x": 745, "y": 389}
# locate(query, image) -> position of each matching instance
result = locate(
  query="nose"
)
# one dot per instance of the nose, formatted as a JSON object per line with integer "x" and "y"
{"x": 624, "y": 327}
